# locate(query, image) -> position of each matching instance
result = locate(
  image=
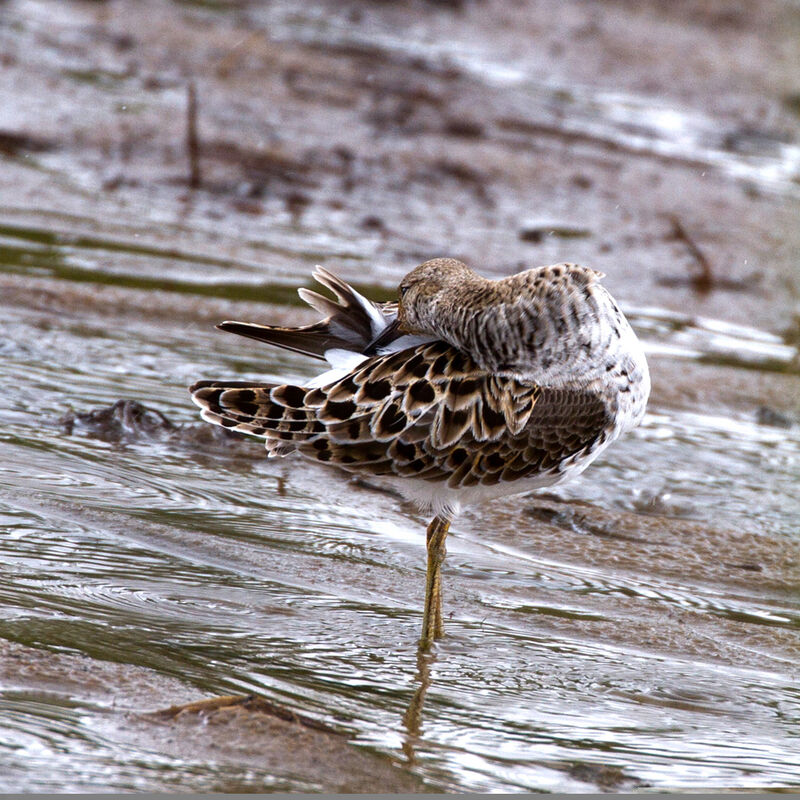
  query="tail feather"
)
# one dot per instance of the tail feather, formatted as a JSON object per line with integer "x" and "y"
{"x": 352, "y": 321}
{"x": 311, "y": 340}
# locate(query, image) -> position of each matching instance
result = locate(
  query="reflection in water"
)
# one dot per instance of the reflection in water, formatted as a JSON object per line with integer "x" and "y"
{"x": 412, "y": 719}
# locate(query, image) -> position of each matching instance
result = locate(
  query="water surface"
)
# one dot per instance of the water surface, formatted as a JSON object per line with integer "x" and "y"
{"x": 235, "y": 574}
{"x": 637, "y": 629}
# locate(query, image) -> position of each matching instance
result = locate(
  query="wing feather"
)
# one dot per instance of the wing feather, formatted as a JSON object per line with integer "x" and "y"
{"x": 427, "y": 412}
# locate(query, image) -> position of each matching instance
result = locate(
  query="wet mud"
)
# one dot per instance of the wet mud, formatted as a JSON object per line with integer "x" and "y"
{"x": 168, "y": 165}
{"x": 255, "y": 746}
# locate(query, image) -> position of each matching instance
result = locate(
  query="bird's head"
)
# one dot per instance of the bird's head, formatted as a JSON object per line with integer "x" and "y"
{"x": 426, "y": 290}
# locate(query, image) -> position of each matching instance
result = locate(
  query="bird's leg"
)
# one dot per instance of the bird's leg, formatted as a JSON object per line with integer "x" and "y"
{"x": 432, "y": 627}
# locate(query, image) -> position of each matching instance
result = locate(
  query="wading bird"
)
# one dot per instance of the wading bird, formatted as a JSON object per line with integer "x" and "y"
{"x": 463, "y": 390}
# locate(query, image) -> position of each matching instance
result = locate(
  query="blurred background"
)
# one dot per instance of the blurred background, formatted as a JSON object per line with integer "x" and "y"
{"x": 167, "y": 164}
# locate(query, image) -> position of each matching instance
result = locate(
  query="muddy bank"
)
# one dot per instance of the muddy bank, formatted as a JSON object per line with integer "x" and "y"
{"x": 235, "y": 749}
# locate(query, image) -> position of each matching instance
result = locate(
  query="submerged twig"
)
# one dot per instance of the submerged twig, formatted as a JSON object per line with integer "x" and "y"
{"x": 192, "y": 142}
{"x": 704, "y": 281}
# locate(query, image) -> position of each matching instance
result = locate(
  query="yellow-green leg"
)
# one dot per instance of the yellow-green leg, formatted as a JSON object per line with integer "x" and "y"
{"x": 432, "y": 627}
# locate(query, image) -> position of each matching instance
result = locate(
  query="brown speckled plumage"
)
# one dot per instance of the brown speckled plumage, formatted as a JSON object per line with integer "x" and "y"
{"x": 429, "y": 413}
{"x": 465, "y": 389}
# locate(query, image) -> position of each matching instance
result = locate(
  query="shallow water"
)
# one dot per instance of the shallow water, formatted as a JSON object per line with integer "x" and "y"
{"x": 239, "y": 575}
{"x": 636, "y": 629}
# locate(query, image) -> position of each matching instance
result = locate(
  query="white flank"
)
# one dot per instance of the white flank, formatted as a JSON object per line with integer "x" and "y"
{"x": 342, "y": 363}
{"x": 377, "y": 320}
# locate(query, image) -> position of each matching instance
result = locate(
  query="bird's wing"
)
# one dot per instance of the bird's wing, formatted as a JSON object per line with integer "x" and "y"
{"x": 351, "y": 321}
{"x": 427, "y": 412}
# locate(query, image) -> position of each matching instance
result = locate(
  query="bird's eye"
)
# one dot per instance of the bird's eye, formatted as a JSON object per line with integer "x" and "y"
{"x": 403, "y": 290}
